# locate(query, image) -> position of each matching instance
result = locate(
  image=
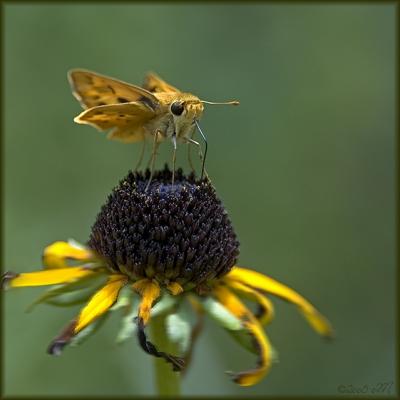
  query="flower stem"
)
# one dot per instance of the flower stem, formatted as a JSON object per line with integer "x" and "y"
{"x": 167, "y": 381}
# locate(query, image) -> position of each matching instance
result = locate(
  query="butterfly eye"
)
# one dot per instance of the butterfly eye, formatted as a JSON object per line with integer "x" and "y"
{"x": 177, "y": 108}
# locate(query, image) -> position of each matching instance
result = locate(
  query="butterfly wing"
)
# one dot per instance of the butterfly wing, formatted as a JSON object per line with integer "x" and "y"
{"x": 92, "y": 90}
{"x": 153, "y": 83}
{"x": 127, "y": 119}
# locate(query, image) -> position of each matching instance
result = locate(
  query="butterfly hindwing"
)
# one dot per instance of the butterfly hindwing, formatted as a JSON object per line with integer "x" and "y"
{"x": 127, "y": 119}
{"x": 127, "y": 135}
{"x": 153, "y": 83}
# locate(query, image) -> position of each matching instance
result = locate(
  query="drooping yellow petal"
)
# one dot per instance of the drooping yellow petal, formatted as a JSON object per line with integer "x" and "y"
{"x": 266, "y": 307}
{"x": 57, "y": 254}
{"x": 149, "y": 290}
{"x": 250, "y": 323}
{"x": 101, "y": 302}
{"x": 262, "y": 282}
{"x": 47, "y": 277}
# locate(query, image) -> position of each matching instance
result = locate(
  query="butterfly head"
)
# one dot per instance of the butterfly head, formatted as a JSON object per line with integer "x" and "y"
{"x": 184, "y": 110}
{"x": 186, "y": 107}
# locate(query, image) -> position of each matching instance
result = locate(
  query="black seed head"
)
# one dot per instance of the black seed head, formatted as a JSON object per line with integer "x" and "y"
{"x": 171, "y": 232}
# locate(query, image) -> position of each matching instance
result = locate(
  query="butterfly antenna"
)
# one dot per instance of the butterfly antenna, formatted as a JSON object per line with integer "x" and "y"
{"x": 229, "y": 103}
{"x": 205, "y": 150}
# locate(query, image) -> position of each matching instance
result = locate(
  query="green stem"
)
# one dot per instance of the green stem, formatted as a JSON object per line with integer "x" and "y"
{"x": 168, "y": 382}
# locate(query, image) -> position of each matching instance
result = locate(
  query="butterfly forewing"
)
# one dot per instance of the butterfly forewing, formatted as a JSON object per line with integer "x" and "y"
{"x": 94, "y": 90}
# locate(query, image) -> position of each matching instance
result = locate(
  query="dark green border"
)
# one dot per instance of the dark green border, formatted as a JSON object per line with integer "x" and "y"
{"x": 292, "y": 2}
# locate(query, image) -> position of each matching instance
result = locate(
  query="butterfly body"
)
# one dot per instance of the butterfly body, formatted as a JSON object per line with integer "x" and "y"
{"x": 133, "y": 113}
{"x": 168, "y": 123}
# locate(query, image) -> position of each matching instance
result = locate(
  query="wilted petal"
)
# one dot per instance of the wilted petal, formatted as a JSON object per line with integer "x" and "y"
{"x": 149, "y": 290}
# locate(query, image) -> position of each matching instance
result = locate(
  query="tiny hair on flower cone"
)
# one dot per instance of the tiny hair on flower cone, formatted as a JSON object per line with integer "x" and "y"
{"x": 162, "y": 247}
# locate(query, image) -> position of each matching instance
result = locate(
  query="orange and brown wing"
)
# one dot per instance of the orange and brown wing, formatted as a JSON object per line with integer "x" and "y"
{"x": 92, "y": 90}
{"x": 153, "y": 83}
{"x": 127, "y": 119}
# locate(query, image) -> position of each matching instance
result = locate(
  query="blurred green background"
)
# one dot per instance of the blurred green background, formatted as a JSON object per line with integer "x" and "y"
{"x": 305, "y": 167}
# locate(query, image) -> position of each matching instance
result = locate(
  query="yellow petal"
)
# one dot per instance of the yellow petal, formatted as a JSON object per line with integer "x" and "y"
{"x": 249, "y": 322}
{"x": 175, "y": 288}
{"x": 267, "y": 309}
{"x": 101, "y": 302}
{"x": 149, "y": 291}
{"x": 47, "y": 277}
{"x": 262, "y": 282}
{"x": 56, "y": 255}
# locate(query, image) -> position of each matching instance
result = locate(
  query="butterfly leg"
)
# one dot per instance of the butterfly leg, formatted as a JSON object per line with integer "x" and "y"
{"x": 202, "y": 158}
{"x": 141, "y": 154}
{"x": 153, "y": 158}
{"x": 173, "y": 157}
{"x": 189, "y": 154}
